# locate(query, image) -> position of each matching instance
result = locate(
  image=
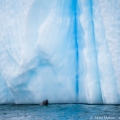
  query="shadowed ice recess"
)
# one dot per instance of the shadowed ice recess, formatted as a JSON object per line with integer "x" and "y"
{"x": 66, "y": 51}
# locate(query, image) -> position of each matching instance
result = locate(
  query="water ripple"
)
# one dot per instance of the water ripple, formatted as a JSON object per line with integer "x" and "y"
{"x": 59, "y": 112}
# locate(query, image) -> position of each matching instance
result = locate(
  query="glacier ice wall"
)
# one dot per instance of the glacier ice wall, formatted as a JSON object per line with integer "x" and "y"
{"x": 66, "y": 51}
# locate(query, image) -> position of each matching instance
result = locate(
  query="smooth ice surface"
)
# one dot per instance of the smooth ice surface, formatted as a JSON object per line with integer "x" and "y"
{"x": 66, "y": 51}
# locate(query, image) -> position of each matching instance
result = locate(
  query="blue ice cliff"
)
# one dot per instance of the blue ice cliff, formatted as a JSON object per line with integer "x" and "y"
{"x": 66, "y": 51}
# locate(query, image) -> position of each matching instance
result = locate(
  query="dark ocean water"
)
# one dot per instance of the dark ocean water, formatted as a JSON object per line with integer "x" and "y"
{"x": 60, "y": 112}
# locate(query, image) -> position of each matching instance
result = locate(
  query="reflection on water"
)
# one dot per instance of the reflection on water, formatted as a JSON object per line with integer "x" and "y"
{"x": 60, "y": 112}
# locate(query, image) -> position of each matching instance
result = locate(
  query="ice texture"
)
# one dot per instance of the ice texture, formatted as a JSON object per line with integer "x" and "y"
{"x": 66, "y": 51}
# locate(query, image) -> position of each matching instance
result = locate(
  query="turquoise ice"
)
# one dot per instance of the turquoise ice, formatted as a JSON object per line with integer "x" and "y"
{"x": 66, "y": 51}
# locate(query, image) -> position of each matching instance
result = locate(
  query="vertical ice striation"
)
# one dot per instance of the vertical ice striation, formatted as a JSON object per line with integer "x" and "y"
{"x": 66, "y": 51}
{"x": 105, "y": 62}
{"x": 92, "y": 90}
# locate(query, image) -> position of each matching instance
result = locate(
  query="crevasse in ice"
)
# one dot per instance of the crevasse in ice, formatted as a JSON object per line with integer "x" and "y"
{"x": 66, "y": 51}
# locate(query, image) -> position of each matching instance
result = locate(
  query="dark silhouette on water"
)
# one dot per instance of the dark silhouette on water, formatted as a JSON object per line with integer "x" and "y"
{"x": 45, "y": 102}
